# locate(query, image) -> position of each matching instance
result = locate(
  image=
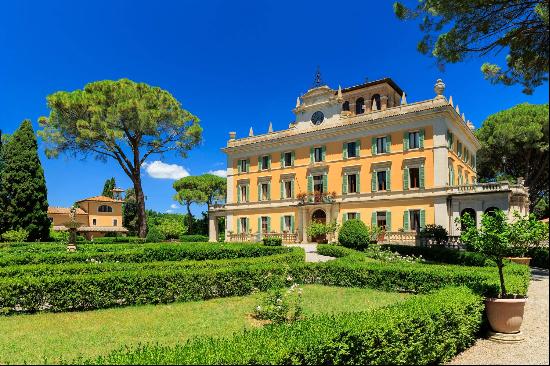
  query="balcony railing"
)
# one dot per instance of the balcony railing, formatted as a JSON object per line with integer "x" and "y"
{"x": 316, "y": 197}
{"x": 287, "y": 237}
{"x": 413, "y": 239}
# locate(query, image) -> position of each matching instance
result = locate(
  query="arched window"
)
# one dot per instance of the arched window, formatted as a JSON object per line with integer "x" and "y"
{"x": 359, "y": 103}
{"x": 376, "y": 97}
{"x": 470, "y": 212}
{"x": 345, "y": 106}
{"x": 491, "y": 211}
{"x": 105, "y": 208}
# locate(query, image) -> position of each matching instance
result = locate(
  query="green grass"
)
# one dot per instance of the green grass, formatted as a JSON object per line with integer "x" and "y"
{"x": 54, "y": 336}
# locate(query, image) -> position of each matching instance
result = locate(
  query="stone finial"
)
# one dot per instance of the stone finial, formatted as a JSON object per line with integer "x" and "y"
{"x": 270, "y": 128}
{"x": 340, "y": 98}
{"x": 451, "y": 101}
{"x": 463, "y": 117}
{"x": 457, "y": 109}
{"x": 470, "y": 125}
{"x": 298, "y": 102}
{"x": 439, "y": 88}
{"x": 232, "y": 135}
{"x": 251, "y": 132}
{"x": 403, "y": 99}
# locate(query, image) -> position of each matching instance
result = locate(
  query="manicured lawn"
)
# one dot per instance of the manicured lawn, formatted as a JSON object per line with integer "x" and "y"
{"x": 48, "y": 336}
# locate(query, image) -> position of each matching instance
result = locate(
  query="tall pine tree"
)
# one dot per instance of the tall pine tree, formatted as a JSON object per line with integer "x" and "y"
{"x": 108, "y": 187}
{"x": 23, "y": 195}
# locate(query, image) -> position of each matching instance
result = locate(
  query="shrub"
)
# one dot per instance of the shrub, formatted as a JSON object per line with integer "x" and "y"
{"x": 19, "y": 235}
{"x": 280, "y": 305}
{"x": 526, "y": 232}
{"x": 154, "y": 235}
{"x": 441, "y": 254}
{"x": 193, "y": 238}
{"x": 354, "y": 234}
{"x": 273, "y": 241}
{"x": 428, "y": 329}
{"x": 434, "y": 232}
{"x": 59, "y": 236}
{"x": 539, "y": 257}
{"x": 316, "y": 228}
{"x": 119, "y": 239}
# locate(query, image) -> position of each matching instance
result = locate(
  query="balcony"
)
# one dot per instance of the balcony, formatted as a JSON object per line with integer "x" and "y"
{"x": 316, "y": 197}
{"x": 487, "y": 187}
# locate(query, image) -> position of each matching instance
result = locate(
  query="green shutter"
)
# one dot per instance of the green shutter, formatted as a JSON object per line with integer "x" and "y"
{"x": 373, "y": 182}
{"x": 282, "y": 223}
{"x": 268, "y": 191}
{"x": 344, "y": 183}
{"x": 452, "y": 182}
{"x": 388, "y": 220}
{"x": 309, "y": 183}
{"x": 388, "y": 143}
{"x": 269, "y": 161}
{"x": 323, "y": 153}
{"x": 259, "y": 192}
{"x": 421, "y": 176}
{"x": 247, "y": 193}
{"x": 405, "y": 179}
{"x": 238, "y": 226}
{"x": 344, "y": 150}
{"x": 421, "y": 138}
{"x": 358, "y": 182}
{"x": 344, "y": 217}
{"x": 291, "y": 224}
{"x": 282, "y": 190}
{"x": 247, "y": 165}
{"x": 239, "y": 166}
{"x": 292, "y": 188}
{"x": 282, "y": 160}
{"x": 259, "y": 163}
{"x": 311, "y": 150}
{"x": 260, "y": 224}
{"x": 247, "y": 220}
{"x": 358, "y": 215}
{"x": 388, "y": 179}
{"x": 405, "y": 141}
{"x": 373, "y": 219}
{"x": 358, "y": 148}
{"x": 238, "y": 193}
{"x": 325, "y": 183}
{"x": 292, "y": 158}
{"x": 373, "y": 146}
{"x": 268, "y": 224}
{"x": 406, "y": 220}
{"x": 422, "y": 218}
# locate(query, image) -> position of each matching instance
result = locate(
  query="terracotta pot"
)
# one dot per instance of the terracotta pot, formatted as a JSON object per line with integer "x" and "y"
{"x": 505, "y": 315}
{"x": 520, "y": 260}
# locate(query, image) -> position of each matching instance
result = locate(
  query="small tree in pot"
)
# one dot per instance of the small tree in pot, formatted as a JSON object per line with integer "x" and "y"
{"x": 526, "y": 232}
{"x": 493, "y": 239}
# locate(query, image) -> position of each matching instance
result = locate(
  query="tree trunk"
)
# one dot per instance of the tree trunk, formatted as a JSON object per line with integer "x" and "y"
{"x": 140, "y": 203}
{"x": 501, "y": 276}
{"x": 189, "y": 218}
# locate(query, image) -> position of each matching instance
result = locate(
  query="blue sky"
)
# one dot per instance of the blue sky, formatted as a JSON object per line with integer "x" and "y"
{"x": 234, "y": 65}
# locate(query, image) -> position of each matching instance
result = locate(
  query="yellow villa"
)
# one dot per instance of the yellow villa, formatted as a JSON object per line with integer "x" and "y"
{"x": 360, "y": 152}
{"x": 97, "y": 215}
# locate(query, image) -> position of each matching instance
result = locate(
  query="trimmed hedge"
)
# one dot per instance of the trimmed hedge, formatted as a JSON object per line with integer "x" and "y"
{"x": 539, "y": 257}
{"x": 144, "y": 253}
{"x": 193, "y": 238}
{"x": 118, "y": 239}
{"x": 427, "y": 329}
{"x": 442, "y": 255}
{"x": 273, "y": 242}
{"x": 36, "y": 270}
{"x": 354, "y": 234}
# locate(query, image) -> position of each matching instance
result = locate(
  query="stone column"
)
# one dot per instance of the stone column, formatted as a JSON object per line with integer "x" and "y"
{"x": 212, "y": 228}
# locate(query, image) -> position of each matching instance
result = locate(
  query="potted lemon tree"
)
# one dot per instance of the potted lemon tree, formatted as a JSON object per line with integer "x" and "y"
{"x": 526, "y": 233}
{"x": 494, "y": 240}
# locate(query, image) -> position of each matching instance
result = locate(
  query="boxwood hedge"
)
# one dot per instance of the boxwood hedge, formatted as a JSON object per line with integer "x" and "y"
{"x": 427, "y": 329}
{"x": 442, "y": 255}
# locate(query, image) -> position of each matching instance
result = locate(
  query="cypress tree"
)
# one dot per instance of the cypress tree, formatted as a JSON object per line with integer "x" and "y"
{"x": 23, "y": 194}
{"x": 108, "y": 187}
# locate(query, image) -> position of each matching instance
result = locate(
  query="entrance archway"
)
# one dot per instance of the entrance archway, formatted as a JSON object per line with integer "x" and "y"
{"x": 319, "y": 216}
{"x": 472, "y": 213}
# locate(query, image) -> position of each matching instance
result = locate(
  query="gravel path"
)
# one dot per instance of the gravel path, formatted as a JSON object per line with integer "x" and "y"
{"x": 533, "y": 350}
{"x": 311, "y": 253}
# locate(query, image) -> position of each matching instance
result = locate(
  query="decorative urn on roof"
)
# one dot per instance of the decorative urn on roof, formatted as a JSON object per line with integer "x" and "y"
{"x": 439, "y": 88}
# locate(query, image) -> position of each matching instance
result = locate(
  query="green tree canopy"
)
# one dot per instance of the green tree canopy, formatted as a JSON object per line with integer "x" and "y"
{"x": 122, "y": 120}
{"x": 514, "y": 142}
{"x": 23, "y": 194}
{"x": 454, "y": 29}
{"x": 108, "y": 187}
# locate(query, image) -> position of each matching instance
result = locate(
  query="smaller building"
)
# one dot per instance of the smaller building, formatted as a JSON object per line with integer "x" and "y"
{"x": 97, "y": 215}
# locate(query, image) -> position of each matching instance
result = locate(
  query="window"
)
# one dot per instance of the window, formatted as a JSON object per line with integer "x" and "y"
{"x": 115, "y": 222}
{"x": 265, "y": 224}
{"x": 414, "y": 140}
{"x": 414, "y": 177}
{"x": 381, "y": 145}
{"x": 381, "y": 220}
{"x": 243, "y": 193}
{"x": 287, "y": 159}
{"x": 377, "y": 104}
{"x": 94, "y": 222}
{"x": 345, "y": 106}
{"x": 352, "y": 215}
{"x": 105, "y": 208}
{"x": 318, "y": 183}
{"x": 414, "y": 217}
{"x": 352, "y": 183}
{"x": 264, "y": 164}
{"x": 287, "y": 223}
{"x": 243, "y": 225}
{"x": 352, "y": 149}
{"x": 243, "y": 166}
{"x": 287, "y": 188}
{"x": 264, "y": 191}
{"x": 318, "y": 154}
{"x": 381, "y": 180}
{"x": 359, "y": 104}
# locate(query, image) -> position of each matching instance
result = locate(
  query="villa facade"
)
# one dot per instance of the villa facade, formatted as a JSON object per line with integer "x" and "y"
{"x": 359, "y": 152}
{"x": 97, "y": 216}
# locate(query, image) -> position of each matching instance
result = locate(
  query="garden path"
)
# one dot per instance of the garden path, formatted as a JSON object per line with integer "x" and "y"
{"x": 311, "y": 252}
{"x": 533, "y": 350}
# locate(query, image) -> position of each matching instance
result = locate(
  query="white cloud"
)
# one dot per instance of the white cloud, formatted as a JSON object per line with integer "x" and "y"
{"x": 219, "y": 173}
{"x": 169, "y": 211}
{"x": 174, "y": 206}
{"x": 158, "y": 169}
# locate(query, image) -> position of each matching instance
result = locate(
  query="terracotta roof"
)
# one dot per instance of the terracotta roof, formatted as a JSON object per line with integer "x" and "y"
{"x": 99, "y": 199}
{"x": 375, "y": 82}
{"x": 65, "y": 210}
